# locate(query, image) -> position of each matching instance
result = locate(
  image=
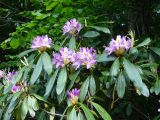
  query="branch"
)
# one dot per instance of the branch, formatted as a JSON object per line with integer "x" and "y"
{"x": 55, "y": 114}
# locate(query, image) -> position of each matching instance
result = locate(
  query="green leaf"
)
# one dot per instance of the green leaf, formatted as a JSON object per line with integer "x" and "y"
{"x": 37, "y": 71}
{"x": 156, "y": 87}
{"x": 25, "y": 53}
{"x": 61, "y": 96}
{"x": 92, "y": 86}
{"x": 132, "y": 73}
{"x": 11, "y": 106}
{"x": 50, "y": 5}
{"x": 84, "y": 89}
{"x": 87, "y": 112}
{"x": 40, "y": 98}
{"x": 91, "y": 34}
{"x": 34, "y": 103}
{"x": 133, "y": 50}
{"x": 104, "y": 58}
{"x": 80, "y": 116}
{"x": 15, "y": 43}
{"x": 115, "y": 68}
{"x": 73, "y": 114}
{"x": 103, "y": 29}
{"x": 101, "y": 111}
{"x": 73, "y": 78}
{"x": 156, "y": 50}
{"x": 18, "y": 76}
{"x": 135, "y": 77}
{"x": 30, "y": 106}
{"x": 24, "y": 109}
{"x": 144, "y": 90}
{"x": 121, "y": 84}
{"x": 61, "y": 82}
{"x": 50, "y": 83}
{"x": 72, "y": 43}
{"x": 47, "y": 63}
{"x": 145, "y": 42}
{"x": 31, "y": 112}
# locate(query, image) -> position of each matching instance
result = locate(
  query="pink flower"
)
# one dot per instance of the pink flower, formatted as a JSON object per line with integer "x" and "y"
{"x": 41, "y": 42}
{"x": 16, "y": 88}
{"x": 62, "y": 58}
{"x": 73, "y": 95}
{"x": 72, "y": 27}
{"x": 119, "y": 45}
{"x": 85, "y": 57}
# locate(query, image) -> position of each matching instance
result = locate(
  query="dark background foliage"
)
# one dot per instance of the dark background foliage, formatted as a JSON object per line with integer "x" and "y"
{"x": 22, "y": 20}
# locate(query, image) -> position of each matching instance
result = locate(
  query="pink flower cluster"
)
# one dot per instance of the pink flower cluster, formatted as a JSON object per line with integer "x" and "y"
{"x": 119, "y": 45}
{"x": 72, "y": 27}
{"x": 84, "y": 57}
{"x": 41, "y": 42}
{"x": 62, "y": 58}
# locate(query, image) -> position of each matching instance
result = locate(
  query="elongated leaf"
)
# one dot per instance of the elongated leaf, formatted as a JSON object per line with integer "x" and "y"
{"x": 61, "y": 96}
{"x": 73, "y": 77}
{"x": 87, "y": 112}
{"x": 47, "y": 63}
{"x": 104, "y": 58}
{"x": 34, "y": 103}
{"x": 25, "y": 53}
{"x": 144, "y": 90}
{"x": 115, "y": 68}
{"x": 91, "y": 34}
{"x": 31, "y": 112}
{"x": 145, "y": 42}
{"x": 92, "y": 85}
{"x": 80, "y": 116}
{"x": 156, "y": 50}
{"x": 134, "y": 75}
{"x": 101, "y": 111}
{"x": 50, "y": 5}
{"x": 121, "y": 84}
{"x": 24, "y": 109}
{"x": 84, "y": 89}
{"x": 72, "y": 43}
{"x": 40, "y": 98}
{"x": 11, "y": 106}
{"x": 7, "y": 88}
{"x": 37, "y": 71}
{"x": 73, "y": 114}
{"x": 30, "y": 107}
{"x": 62, "y": 79}
{"x": 18, "y": 76}
{"x": 156, "y": 87}
{"x": 103, "y": 29}
{"x": 51, "y": 83}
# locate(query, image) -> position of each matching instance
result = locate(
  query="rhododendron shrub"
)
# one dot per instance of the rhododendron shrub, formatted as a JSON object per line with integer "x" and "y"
{"x": 76, "y": 77}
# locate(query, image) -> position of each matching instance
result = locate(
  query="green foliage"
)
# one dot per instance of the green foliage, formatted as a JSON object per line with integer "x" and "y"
{"x": 45, "y": 87}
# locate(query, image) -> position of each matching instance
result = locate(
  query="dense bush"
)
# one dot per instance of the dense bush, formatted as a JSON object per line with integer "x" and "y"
{"x": 69, "y": 62}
